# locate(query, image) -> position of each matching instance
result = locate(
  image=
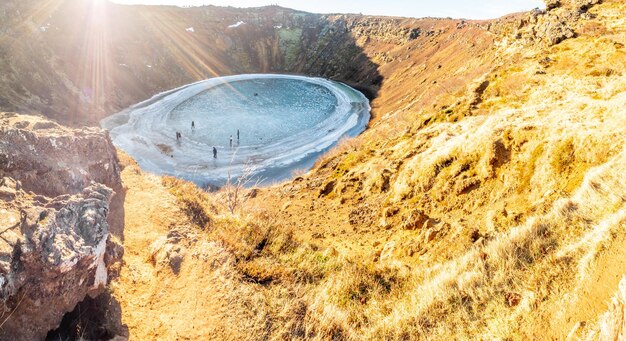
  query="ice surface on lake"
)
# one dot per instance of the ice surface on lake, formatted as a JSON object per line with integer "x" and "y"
{"x": 285, "y": 123}
{"x": 265, "y": 110}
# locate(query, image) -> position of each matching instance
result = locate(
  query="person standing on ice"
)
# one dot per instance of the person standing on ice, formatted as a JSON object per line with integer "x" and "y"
{"x": 237, "y": 135}
{"x": 193, "y": 125}
{"x": 231, "y": 141}
{"x": 214, "y": 153}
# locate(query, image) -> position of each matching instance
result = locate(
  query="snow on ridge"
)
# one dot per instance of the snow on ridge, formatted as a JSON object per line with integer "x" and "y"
{"x": 190, "y": 29}
{"x": 239, "y": 23}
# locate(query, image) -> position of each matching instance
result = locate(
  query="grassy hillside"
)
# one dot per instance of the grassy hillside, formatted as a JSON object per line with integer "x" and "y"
{"x": 486, "y": 201}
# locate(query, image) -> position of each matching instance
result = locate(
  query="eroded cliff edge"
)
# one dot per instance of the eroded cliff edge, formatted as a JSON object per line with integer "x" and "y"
{"x": 56, "y": 246}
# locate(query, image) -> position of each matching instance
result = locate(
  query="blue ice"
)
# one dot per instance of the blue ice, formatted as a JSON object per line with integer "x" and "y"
{"x": 285, "y": 123}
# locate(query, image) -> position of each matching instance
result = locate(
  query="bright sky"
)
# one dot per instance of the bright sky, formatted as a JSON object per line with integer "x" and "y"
{"x": 468, "y": 9}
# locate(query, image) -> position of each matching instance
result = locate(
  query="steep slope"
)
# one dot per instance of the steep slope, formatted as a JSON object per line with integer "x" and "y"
{"x": 496, "y": 207}
{"x": 56, "y": 245}
{"x": 79, "y": 70}
{"x": 530, "y": 182}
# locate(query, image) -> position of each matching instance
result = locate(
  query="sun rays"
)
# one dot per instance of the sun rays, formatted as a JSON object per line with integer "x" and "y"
{"x": 35, "y": 17}
{"x": 43, "y": 11}
{"x": 164, "y": 47}
{"x": 95, "y": 61}
{"x": 193, "y": 54}
{"x": 189, "y": 50}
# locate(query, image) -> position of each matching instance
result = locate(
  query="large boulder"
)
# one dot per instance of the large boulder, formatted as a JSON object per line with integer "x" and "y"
{"x": 56, "y": 190}
{"x": 53, "y": 252}
{"x": 53, "y": 160}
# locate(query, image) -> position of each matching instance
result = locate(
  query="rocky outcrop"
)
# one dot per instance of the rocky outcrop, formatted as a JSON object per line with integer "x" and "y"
{"x": 389, "y": 30}
{"x": 545, "y": 27}
{"x": 560, "y": 22}
{"x": 52, "y": 160}
{"x": 55, "y": 245}
{"x": 53, "y": 252}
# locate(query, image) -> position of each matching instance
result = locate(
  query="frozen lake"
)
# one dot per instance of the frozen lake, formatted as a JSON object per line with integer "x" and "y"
{"x": 285, "y": 123}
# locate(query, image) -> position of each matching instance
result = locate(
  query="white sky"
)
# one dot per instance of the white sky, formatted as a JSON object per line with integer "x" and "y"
{"x": 469, "y": 9}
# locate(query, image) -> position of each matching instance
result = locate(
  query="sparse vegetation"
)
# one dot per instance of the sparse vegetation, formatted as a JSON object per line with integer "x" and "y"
{"x": 563, "y": 155}
{"x": 232, "y": 193}
{"x": 194, "y": 202}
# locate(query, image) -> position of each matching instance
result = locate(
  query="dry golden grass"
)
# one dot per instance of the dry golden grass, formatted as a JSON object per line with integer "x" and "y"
{"x": 194, "y": 202}
{"x": 612, "y": 324}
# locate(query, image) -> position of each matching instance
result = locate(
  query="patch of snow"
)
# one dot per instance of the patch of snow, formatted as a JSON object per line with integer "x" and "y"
{"x": 278, "y": 26}
{"x": 101, "y": 269}
{"x": 124, "y": 65}
{"x": 190, "y": 29}
{"x": 239, "y": 23}
{"x": 149, "y": 66}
